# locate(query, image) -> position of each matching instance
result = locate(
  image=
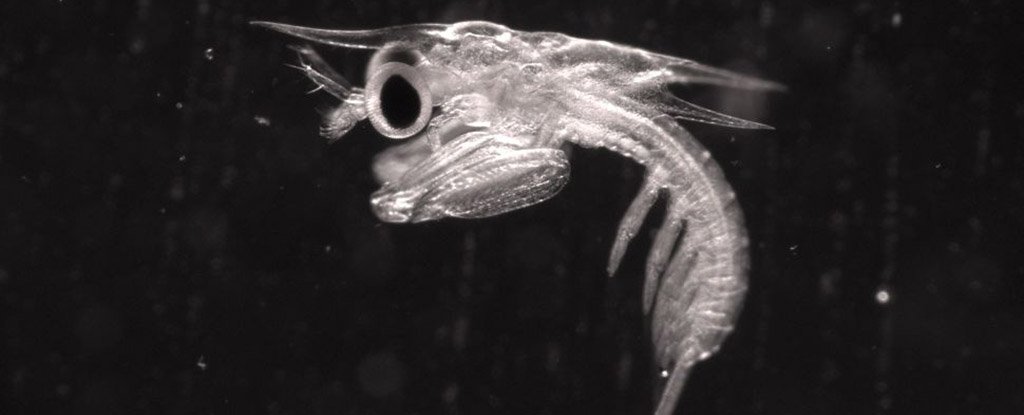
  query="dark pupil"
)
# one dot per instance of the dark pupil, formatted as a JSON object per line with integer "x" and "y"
{"x": 399, "y": 102}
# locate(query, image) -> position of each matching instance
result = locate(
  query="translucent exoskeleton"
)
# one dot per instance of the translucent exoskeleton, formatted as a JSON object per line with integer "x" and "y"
{"x": 486, "y": 112}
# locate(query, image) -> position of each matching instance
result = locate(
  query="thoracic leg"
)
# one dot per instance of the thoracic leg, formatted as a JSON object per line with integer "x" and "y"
{"x": 632, "y": 220}
{"x": 661, "y": 251}
{"x": 682, "y": 262}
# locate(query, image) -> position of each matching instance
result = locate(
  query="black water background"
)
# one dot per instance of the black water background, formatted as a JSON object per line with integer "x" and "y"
{"x": 175, "y": 238}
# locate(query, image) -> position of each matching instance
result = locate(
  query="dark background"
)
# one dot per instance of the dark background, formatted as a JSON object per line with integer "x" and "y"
{"x": 176, "y": 239}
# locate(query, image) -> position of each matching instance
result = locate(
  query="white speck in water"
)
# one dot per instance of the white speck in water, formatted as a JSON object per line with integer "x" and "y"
{"x": 328, "y": 249}
{"x": 882, "y": 296}
{"x": 177, "y": 189}
{"x": 885, "y": 403}
{"x": 264, "y": 121}
{"x": 178, "y": 105}
{"x": 897, "y": 19}
{"x": 208, "y": 54}
{"x": 201, "y": 364}
{"x": 767, "y": 14}
{"x": 137, "y": 45}
{"x": 450, "y": 394}
{"x": 182, "y": 158}
{"x": 664, "y": 373}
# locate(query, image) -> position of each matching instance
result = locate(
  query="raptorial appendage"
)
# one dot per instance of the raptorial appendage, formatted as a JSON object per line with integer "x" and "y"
{"x": 486, "y": 112}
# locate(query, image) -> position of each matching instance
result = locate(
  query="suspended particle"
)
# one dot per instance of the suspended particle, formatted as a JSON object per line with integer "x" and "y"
{"x": 882, "y": 296}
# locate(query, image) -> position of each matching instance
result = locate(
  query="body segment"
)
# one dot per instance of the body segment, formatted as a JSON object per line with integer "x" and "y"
{"x": 494, "y": 109}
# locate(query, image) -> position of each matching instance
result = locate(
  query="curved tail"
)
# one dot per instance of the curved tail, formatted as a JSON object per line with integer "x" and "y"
{"x": 696, "y": 273}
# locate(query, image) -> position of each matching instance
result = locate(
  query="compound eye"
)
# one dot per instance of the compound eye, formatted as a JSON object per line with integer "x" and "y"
{"x": 398, "y": 100}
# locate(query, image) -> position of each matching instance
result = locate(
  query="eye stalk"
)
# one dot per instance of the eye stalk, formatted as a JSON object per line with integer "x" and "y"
{"x": 394, "y": 53}
{"x": 398, "y": 99}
